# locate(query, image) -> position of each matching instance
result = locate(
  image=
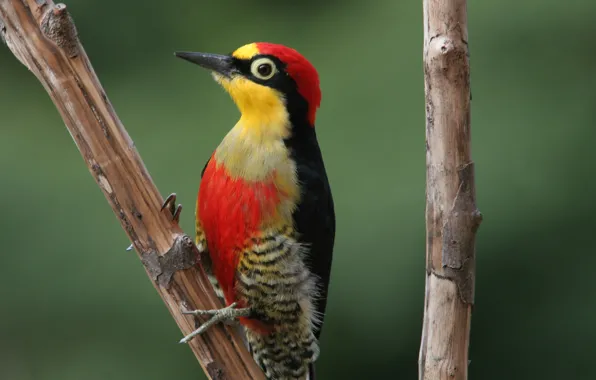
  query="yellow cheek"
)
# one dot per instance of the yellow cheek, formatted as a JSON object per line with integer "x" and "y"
{"x": 263, "y": 109}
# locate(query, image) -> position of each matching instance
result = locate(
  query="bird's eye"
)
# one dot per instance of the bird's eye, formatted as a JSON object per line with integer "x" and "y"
{"x": 263, "y": 68}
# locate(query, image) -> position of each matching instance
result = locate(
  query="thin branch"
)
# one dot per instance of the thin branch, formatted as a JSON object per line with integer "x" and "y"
{"x": 452, "y": 218}
{"x": 43, "y": 37}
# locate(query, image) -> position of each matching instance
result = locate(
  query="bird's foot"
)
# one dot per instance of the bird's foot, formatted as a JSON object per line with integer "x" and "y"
{"x": 227, "y": 315}
{"x": 170, "y": 203}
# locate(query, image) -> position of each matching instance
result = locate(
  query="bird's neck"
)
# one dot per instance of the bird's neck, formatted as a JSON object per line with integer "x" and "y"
{"x": 254, "y": 149}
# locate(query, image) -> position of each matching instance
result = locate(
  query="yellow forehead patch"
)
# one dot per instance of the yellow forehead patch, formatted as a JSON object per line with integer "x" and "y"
{"x": 246, "y": 52}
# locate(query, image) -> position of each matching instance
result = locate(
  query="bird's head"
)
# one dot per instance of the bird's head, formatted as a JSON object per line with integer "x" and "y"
{"x": 270, "y": 83}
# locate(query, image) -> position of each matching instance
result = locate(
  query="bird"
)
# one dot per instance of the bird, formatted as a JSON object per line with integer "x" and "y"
{"x": 265, "y": 218}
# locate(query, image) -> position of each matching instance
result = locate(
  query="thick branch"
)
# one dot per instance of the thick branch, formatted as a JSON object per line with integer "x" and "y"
{"x": 43, "y": 37}
{"x": 451, "y": 214}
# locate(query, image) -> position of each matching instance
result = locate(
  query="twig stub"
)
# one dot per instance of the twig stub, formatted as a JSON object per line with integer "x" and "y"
{"x": 180, "y": 256}
{"x": 58, "y": 27}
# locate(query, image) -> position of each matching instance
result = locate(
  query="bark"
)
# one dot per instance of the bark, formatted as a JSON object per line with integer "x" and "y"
{"x": 452, "y": 218}
{"x": 43, "y": 37}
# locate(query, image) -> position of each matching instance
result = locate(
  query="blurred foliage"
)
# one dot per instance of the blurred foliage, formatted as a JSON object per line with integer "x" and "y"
{"x": 76, "y": 306}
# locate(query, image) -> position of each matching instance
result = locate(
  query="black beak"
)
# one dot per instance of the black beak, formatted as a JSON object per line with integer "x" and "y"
{"x": 222, "y": 64}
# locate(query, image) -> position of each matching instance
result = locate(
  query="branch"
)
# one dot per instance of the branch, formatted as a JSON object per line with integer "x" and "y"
{"x": 43, "y": 37}
{"x": 452, "y": 218}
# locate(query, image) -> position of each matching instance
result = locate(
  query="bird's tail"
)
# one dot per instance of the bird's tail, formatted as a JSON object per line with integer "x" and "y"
{"x": 283, "y": 357}
{"x": 311, "y": 372}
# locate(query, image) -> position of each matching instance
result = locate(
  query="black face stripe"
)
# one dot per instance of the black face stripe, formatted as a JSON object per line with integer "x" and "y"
{"x": 295, "y": 103}
{"x": 277, "y": 81}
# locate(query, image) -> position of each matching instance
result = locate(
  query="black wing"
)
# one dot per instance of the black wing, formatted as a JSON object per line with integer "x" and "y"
{"x": 315, "y": 214}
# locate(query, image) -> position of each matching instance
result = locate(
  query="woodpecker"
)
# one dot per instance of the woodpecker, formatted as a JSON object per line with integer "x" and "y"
{"x": 265, "y": 219}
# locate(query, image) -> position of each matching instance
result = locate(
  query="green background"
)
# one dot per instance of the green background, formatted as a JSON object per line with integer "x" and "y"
{"x": 75, "y": 305}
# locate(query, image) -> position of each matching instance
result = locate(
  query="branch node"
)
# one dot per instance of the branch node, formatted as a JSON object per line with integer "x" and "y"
{"x": 447, "y": 54}
{"x": 215, "y": 371}
{"x": 459, "y": 235}
{"x": 57, "y": 25}
{"x": 180, "y": 256}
